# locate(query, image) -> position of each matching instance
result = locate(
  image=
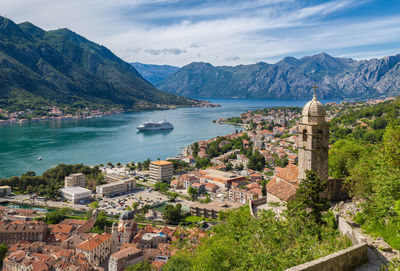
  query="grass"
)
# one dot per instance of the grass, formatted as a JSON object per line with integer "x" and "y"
{"x": 196, "y": 219}
{"x": 390, "y": 233}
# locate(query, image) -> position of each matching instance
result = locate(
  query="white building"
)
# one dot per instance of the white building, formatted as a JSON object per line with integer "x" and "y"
{"x": 161, "y": 171}
{"x": 76, "y": 193}
{"x": 116, "y": 188}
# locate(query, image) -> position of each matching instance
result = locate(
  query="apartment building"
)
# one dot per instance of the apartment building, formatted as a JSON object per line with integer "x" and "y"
{"x": 5, "y": 191}
{"x": 161, "y": 171}
{"x": 212, "y": 209}
{"x": 13, "y": 232}
{"x": 96, "y": 249}
{"x": 77, "y": 179}
{"x": 116, "y": 188}
{"x": 125, "y": 257}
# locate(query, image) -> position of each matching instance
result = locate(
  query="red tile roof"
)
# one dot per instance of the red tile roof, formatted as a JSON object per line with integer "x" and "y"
{"x": 289, "y": 173}
{"x": 94, "y": 242}
{"x": 283, "y": 190}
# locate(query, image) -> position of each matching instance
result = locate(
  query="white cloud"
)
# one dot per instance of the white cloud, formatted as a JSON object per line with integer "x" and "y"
{"x": 220, "y": 32}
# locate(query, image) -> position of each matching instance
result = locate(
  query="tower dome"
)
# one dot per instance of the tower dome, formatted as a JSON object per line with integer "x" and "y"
{"x": 127, "y": 215}
{"x": 313, "y": 112}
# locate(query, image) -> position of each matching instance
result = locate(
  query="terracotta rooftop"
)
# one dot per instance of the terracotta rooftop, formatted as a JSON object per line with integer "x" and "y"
{"x": 94, "y": 242}
{"x": 289, "y": 173}
{"x": 161, "y": 163}
{"x": 283, "y": 190}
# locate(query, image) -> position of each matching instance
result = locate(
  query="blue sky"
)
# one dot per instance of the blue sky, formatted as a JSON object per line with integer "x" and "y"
{"x": 229, "y": 32}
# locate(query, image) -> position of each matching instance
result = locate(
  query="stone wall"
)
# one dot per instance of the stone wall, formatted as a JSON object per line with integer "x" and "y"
{"x": 343, "y": 260}
{"x": 346, "y": 259}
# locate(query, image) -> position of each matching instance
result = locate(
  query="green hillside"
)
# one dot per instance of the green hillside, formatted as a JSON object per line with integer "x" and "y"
{"x": 60, "y": 67}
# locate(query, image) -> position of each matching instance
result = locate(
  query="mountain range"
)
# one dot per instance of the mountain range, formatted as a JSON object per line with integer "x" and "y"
{"x": 154, "y": 73}
{"x": 290, "y": 78}
{"x": 62, "y": 67}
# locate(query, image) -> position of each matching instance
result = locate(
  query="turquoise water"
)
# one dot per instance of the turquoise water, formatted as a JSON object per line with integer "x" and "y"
{"x": 115, "y": 138}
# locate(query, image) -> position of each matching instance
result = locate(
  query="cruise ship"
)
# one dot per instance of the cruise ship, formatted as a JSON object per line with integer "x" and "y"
{"x": 154, "y": 126}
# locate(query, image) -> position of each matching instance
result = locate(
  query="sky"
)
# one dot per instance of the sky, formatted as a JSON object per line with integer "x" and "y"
{"x": 222, "y": 32}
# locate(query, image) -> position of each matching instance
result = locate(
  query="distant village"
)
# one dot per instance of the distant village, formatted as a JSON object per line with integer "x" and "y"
{"x": 209, "y": 176}
{"x": 49, "y": 113}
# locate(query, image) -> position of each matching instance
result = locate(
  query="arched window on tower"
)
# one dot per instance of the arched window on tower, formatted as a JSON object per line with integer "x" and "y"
{"x": 320, "y": 136}
{"x": 304, "y": 135}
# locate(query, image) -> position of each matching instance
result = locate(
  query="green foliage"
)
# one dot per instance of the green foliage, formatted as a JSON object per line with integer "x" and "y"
{"x": 256, "y": 161}
{"x": 267, "y": 243}
{"x": 101, "y": 222}
{"x": 50, "y": 182}
{"x": 173, "y": 214}
{"x": 308, "y": 204}
{"x": 202, "y": 162}
{"x": 193, "y": 192}
{"x": 3, "y": 252}
{"x": 140, "y": 266}
{"x": 163, "y": 187}
{"x": 87, "y": 74}
{"x": 56, "y": 216}
{"x": 343, "y": 156}
{"x": 372, "y": 173}
{"x": 94, "y": 205}
{"x": 180, "y": 166}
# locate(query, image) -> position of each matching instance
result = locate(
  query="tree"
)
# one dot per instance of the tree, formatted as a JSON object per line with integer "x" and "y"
{"x": 135, "y": 205}
{"x": 101, "y": 222}
{"x": 173, "y": 213}
{"x": 3, "y": 252}
{"x": 264, "y": 187}
{"x": 192, "y": 192}
{"x": 343, "y": 156}
{"x": 94, "y": 205}
{"x": 141, "y": 266}
{"x": 308, "y": 198}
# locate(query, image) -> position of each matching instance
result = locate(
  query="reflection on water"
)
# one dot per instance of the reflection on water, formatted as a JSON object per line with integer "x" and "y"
{"x": 154, "y": 133}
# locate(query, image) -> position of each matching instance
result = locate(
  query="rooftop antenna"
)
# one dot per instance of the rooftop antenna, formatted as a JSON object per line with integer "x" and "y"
{"x": 315, "y": 91}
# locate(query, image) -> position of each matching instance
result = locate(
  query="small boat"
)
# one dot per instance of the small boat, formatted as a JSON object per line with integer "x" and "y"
{"x": 40, "y": 158}
{"x": 154, "y": 126}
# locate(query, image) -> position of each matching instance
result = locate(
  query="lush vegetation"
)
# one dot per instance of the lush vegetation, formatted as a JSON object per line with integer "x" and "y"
{"x": 63, "y": 68}
{"x": 140, "y": 266}
{"x": 269, "y": 242}
{"x": 173, "y": 214}
{"x": 49, "y": 183}
{"x": 3, "y": 252}
{"x": 371, "y": 166}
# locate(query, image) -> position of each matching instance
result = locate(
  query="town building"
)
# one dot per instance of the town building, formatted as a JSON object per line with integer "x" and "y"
{"x": 125, "y": 257}
{"x": 77, "y": 179}
{"x": 212, "y": 209}
{"x": 151, "y": 240}
{"x": 96, "y": 249}
{"x": 15, "y": 231}
{"x": 123, "y": 231}
{"x": 161, "y": 171}
{"x": 242, "y": 195}
{"x": 5, "y": 191}
{"x": 76, "y": 194}
{"x": 116, "y": 188}
{"x": 221, "y": 178}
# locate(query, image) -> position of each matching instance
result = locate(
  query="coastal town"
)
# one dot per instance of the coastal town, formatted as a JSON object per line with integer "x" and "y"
{"x": 57, "y": 113}
{"x": 143, "y": 212}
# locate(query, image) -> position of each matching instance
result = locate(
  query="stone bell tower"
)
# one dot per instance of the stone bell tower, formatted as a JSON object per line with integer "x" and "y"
{"x": 313, "y": 140}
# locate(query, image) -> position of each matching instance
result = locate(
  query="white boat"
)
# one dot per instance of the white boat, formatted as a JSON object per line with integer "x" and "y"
{"x": 40, "y": 158}
{"x": 154, "y": 126}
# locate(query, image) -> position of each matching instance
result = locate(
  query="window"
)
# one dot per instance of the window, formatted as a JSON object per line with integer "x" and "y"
{"x": 304, "y": 135}
{"x": 320, "y": 136}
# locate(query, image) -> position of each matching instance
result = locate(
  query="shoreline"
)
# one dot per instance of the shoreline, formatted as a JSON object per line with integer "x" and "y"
{"x": 11, "y": 122}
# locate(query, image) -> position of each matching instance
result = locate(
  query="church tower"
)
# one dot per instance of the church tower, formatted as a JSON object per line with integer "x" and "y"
{"x": 313, "y": 140}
